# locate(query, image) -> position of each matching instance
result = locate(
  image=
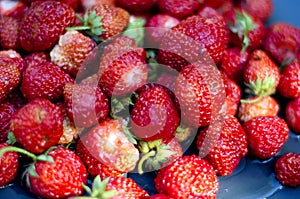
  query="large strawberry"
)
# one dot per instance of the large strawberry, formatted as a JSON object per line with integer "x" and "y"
{"x": 292, "y": 115}
{"x": 9, "y": 33}
{"x": 43, "y": 23}
{"x": 36, "y": 58}
{"x": 266, "y": 135}
{"x": 38, "y": 125}
{"x": 8, "y": 166}
{"x": 6, "y": 111}
{"x": 188, "y": 177}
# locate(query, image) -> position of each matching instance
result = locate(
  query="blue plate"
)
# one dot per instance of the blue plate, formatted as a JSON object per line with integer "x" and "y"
{"x": 252, "y": 179}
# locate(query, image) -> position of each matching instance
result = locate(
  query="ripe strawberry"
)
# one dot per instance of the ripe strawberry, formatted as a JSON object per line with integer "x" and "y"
{"x": 261, "y": 74}
{"x": 289, "y": 83}
{"x": 287, "y": 169}
{"x": 86, "y": 4}
{"x": 10, "y": 54}
{"x": 233, "y": 95}
{"x": 247, "y": 31}
{"x": 8, "y": 166}
{"x": 86, "y": 105}
{"x": 178, "y": 8}
{"x": 160, "y": 196}
{"x": 15, "y": 9}
{"x": 292, "y": 115}
{"x": 38, "y": 125}
{"x": 154, "y": 115}
{"x": 71, "y": 51}
{"x": 213, "y": 4}
{"x": 10, "y": 76}
{"x": 256, "y": 106}
{"x": 187, "y": 177}
{"x": 43, "y": 23}
{"x": 233, "y": 63}
{"x": 9, "y": 33}
{"x": 230, "y": 147}
{"x": 45, "y": 80}
{"x": 282, "y": 42}
{"x": 108, "y": 143}
{"x": 137, "y": 6}
{"x": 261, "y": 9}
{"x": 93, "y": 165}
{"x": 12, "y": 58}
{"x": 266, "y": 135}
{"x": 6, "y": 111}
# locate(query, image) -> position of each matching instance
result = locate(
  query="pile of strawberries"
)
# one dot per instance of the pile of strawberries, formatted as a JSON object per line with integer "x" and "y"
{"x": 95, "y": 89}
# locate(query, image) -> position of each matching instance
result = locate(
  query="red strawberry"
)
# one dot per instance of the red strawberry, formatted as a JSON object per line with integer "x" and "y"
{"x": 256, "y": 106}
{"x": 43, "y": 23}
{"x": 9, "y": 33}
{"x": 15, "y": 9}
{"x": 86, "y": 4}
{"x": 233, "y": 95}
{"x": 261, "y": 74}
{"x": 36, "y": 58}
{"x": 8, "y": 166}
{"x": 108, "y": 143}
{"x": 292, "y": 115}
{"x": 229, "y": 149}
{"x": 178, "y": 8}
{"x": 213, "y": 4}
{"x": 137, "y": 6}
{"x": 233, "y": 63}
{"x": 10, "y": 54}
{"x": 86, "y": 105}
{"x": 38, "y": 125}
{"x": 10, "y": 76}
{"x": 94, "y": 166}
{"x": 6, "y": 111}
{"x": 44, "y": 80}
{"x": 187, "y": 177}
{"x": 12, "y": 58}
{"x": 287, "y": 169}
{"x": 71, "y": 51}
{"x": 282, "y": 42}
{"x": 261, "y": 9}
{"x": 154, "y": 115}
{"x": 160, "y": 196}
{"x": 266, "y": 135}
{"x": 289, "y": 83}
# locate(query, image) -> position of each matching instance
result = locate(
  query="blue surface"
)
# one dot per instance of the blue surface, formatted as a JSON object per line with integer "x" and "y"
{"x": 252, "y": 179}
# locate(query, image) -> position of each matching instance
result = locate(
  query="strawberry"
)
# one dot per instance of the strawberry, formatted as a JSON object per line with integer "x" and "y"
{"x": 15, "y": 9}
{"x": 289, "y": 83}
{"x": 71, "y": 51}
{"x": 12, "y": 58}
{"x": 9, "y": 33}
{"x": 233, "y": 63}
{"x": 187, "y": 177}
{"x": 247, "y": 32}
{"x": 261, "y": 74}
{"x": 10, "y": 54}
{"x": 136, "y": 6}
{"x": 261, "y": 9}
{"x": 6, "y": 111}
{"x": 256, "y": 106}
{"x": 38, "y": 125}
{"x": 86, "y": 4}
{"x": 292, "y": 115}
{"x": 282, "y": 42}
{"x": 8, "y": 166}
{"x": 86, "y": 105}
{"x": 108, "y": 143}
{"x": 178, "y": 8}
{"x": 160, "y": 196}
{"x": 213, "y": 4}
{"x": 233, "y": 95}
{"x": 44, "y": 79}
{"x": 154, "y": 115}
{"x": 36, "y": 58}
{"x": 229, "y": 149}
{"x": 43, "y": 23}
{"x": 287, "y": 169}
{"x": 266, "y": 135}
{"x": 93, "y": 165}
{"x": 10, "y": 76}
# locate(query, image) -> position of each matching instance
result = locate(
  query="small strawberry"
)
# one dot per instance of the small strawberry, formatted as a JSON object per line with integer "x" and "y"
{"x": 108, "y": 143}
{"x": 282, "y": 42}
{"x": 287, "y": 169}
{"x": 6, "y": 111}
{"x": 71, "y": 51}
{"x": 289, "y": 83}
{"x": 8, "y": 166}
{"x": 256, "y": 106}
{"x": 9, "y": 33}
{"x": 261, "y": 9}
{"x": 44, "y": 79}
{"x": 233, "y": 95}
{"x": 266, "y": 135}
{"x": 137, "y": 6}
{"x": 292, "y": 115}
{"x": 43, "y": 23}
{"x": 229, "y": 149}
{"x": 36, "y": 58}
{"x": 178, "y": 8}
{"x": 38, "y": 125}
{"x": 187, "y": 177}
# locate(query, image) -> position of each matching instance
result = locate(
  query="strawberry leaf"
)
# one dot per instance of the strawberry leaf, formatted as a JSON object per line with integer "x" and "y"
{"x": 11, "y": 138}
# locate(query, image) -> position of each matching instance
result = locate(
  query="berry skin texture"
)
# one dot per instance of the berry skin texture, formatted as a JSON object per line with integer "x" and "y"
{"x": 292, "y": 115}
{"x": 287, "y": 169}
{"x": 136, "y": 6}
{"x": 43, "y": 23}
{"x": 233, "y": 95}
{"x": 60, "y": 179}
{"x": 261, "y": 9}
{"x": 8, "y": 166}
{"x": 6, "y": 111}
{"x": 187, "y": 177}
{"x": 266, "y": 135}
{"x": 38, "y": 125}
{"x": 9, "y": 33}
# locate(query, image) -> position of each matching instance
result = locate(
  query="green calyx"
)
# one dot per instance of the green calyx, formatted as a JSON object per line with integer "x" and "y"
{"x": 135, "y": 30}
{"x": 91, "y": 25}
{"x": 11, "y": 138}
{"x": 119, "y": 105}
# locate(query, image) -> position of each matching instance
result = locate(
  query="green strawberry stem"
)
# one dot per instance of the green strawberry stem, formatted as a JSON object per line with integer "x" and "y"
{"x": 18, "y": 150}
{"x": 135, "y": 30}
{"x": 79, "y": 28}
{"x": 143, "y": 159}
{"x": 251, "y": 101}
